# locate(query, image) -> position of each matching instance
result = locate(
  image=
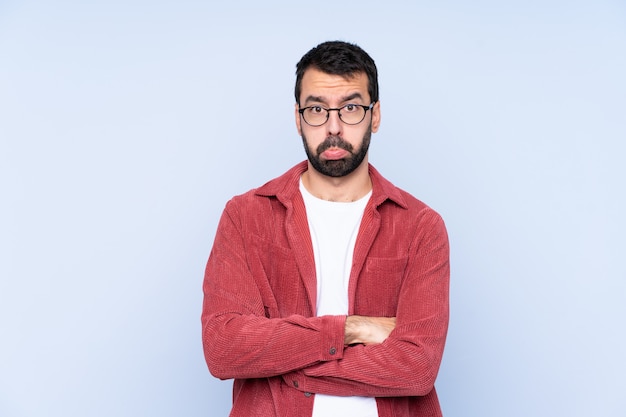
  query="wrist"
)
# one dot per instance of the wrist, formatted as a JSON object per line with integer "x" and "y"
{"x": 352, "y": 330}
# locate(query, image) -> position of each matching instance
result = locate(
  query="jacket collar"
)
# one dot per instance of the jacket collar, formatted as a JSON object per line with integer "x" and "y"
{"x": 286, "y": 187}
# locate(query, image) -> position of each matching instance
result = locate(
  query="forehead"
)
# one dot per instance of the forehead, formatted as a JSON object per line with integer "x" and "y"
{"x": 331, "y": 87}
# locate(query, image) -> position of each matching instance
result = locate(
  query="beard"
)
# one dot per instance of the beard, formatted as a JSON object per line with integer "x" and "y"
{"x": 338, "y": 167}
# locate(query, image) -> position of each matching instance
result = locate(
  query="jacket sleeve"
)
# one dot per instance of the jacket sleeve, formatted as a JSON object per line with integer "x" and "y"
{"x": 239, "y": 340}
{"x": 407, "y": 362}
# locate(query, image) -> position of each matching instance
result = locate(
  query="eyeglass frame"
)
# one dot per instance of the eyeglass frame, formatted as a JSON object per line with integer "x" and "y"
{"x": 338, "y": 110}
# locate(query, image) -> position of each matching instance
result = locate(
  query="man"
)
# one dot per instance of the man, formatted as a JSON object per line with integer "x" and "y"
{"x": 326, "y": 291}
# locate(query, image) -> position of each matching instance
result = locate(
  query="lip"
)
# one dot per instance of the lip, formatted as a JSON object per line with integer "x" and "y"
{"x": 334, "y": 154}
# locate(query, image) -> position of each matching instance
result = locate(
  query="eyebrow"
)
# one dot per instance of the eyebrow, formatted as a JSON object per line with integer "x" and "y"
{"x": 320, "y": 99}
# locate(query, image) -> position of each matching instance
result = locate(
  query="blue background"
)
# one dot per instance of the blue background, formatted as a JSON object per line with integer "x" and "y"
{"x": 125, "y": 126}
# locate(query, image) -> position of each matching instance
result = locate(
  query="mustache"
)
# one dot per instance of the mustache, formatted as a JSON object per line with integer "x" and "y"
{"x": 334, "y": 142}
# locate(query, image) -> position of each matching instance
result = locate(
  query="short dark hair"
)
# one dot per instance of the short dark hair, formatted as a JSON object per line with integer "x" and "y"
{"x": 338, "y": 58}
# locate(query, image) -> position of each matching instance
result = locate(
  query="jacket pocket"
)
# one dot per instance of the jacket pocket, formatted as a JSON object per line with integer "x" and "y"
{"x": 378, "y": 286}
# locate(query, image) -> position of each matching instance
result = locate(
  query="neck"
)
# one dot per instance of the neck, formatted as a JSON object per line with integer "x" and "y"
{"x": 340, "y": 189}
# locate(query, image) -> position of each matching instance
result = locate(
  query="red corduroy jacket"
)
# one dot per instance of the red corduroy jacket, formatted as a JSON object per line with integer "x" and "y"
{"x": 258, "y": 319}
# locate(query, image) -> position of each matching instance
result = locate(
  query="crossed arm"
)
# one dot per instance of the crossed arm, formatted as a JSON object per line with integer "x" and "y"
{"x": 367, "y": 330}
{"x": 338, "y": 355}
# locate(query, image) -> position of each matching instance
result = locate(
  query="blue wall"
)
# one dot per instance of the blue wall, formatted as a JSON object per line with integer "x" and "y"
{"x": 126, "y": 126}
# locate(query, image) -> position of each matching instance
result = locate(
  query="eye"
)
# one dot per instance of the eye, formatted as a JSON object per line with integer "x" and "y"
{"x": 350, "y": 108}
{"x": 316, "y": 109}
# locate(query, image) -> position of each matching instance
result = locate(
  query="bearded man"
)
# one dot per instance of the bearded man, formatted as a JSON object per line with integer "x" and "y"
{"x": 326, "y": 290}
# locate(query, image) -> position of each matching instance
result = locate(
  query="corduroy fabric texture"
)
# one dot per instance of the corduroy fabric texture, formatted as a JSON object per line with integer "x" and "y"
{"x": 258, "y": 319}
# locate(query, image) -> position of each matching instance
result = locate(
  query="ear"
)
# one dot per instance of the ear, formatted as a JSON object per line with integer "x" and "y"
{"x": 376, "y": 117}
{"x": 298, "y": 120}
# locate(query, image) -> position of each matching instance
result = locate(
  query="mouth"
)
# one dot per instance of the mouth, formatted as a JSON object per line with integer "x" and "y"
{"x": 334, "y": 148}
{"x": 333, "y": 154}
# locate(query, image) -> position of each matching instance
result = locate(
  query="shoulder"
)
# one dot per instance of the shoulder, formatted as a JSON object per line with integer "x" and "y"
{"x": 385, "y": 191}
{"x": 282, "y": 188}
{"x": 399, "y": 204}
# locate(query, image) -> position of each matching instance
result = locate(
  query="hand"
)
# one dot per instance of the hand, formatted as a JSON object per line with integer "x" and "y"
{"x": 368, "y": 330}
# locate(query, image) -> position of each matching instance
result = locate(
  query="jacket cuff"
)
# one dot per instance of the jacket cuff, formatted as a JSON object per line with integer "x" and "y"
{"x": 331, "y": 345}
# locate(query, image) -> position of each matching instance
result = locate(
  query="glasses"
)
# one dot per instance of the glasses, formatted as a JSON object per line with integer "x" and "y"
{"x": 350, "y": 114}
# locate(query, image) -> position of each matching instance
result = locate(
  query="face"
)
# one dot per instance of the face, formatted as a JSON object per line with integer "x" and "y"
{"x": 336, "y": 149}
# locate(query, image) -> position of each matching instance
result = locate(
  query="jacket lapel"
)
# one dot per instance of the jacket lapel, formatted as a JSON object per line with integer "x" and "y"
{"x": 297, "y": 228}
{"x": 370, "y": 224}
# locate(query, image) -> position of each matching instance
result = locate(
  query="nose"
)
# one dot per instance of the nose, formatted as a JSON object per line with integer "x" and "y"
{"x": 334, "y": 124}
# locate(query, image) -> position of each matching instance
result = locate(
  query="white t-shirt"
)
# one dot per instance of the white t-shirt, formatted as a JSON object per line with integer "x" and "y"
{"x": 334, "y": 228}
